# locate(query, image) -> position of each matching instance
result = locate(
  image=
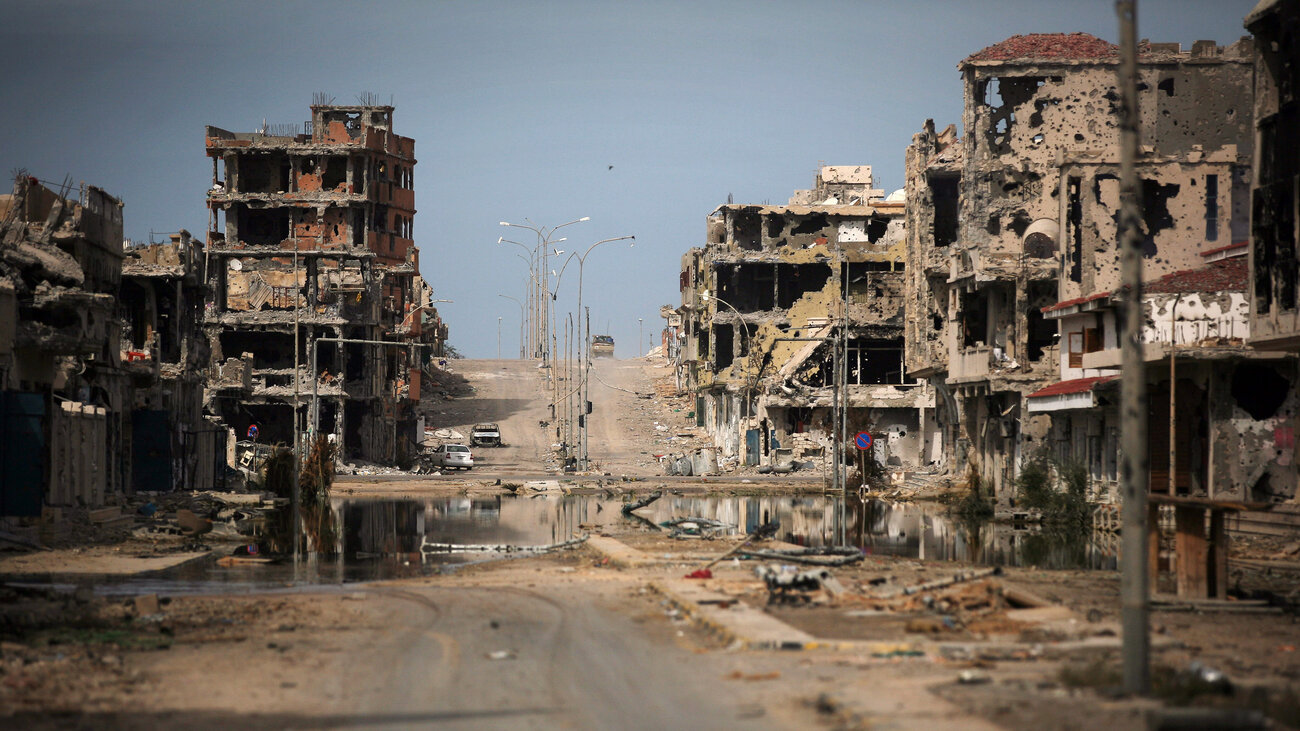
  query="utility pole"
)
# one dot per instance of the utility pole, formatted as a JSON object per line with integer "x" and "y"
{"x": 1135, "y": 576}
{"x": 297, "y": 439}
{"x": 640, "y": 335}
{"x": 498, "y": 338}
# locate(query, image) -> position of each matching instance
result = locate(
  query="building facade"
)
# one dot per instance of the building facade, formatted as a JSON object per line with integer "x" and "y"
{"x": 1020, "y": 214}
{"x": 316, "y": 306}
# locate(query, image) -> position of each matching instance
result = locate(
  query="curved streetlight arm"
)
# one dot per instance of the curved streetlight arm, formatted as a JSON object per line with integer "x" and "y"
{"x": 743, "y": 326}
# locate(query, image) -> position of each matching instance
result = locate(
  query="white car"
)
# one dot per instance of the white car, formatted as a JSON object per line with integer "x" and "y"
{"x": 452, "y": 455}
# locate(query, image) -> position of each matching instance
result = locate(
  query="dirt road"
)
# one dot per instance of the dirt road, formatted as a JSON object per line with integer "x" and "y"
{"x": 510, "y": 393}
{"x": 517, "y": 395}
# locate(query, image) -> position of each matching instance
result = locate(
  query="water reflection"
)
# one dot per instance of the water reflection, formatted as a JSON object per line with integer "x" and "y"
{"x": 912, "y": 530}
{"x": 382, "y": 539}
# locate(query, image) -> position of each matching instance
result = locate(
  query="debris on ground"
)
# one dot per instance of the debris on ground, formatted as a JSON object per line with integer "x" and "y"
{"x": 695, "y": 527}
{"x": 785, "y": 585}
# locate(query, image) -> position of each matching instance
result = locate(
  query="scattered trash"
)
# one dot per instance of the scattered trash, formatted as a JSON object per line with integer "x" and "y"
{"x": 700, "y": 574}
{"x": 502, "y": 655}
{"x": 821, "y": 556}
{"x": 973, "y": 677}
{"x": 785, "y": 585}
{"x": 638, "y": 504}
{"x": 948, "y": 581}
{"x": 706, "y": 528}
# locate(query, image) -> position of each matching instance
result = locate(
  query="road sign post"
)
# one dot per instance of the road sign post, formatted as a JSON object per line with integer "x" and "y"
{"x": 862, "y": 441}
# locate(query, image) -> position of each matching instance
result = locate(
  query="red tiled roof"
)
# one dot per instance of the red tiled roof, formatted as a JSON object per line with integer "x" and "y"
{"x": 1229, "y": 275}
{"x": 1063, "y": 46}
{"x": 1075, "y": 301}
{"x": 1229, "y": 247}
{"x": 1078, "y": 385}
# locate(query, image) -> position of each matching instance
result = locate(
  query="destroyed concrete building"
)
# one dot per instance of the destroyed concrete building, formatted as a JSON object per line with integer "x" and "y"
{"x": 311, "y": 249}
{"x": 1020, "y": 214}
{"x": 1219, "y": 422}
{"x": 65, "y": 408}
{"x": 165, "y": 352}
{"x": 770, "y": 302}
{"x": 1275, "y": 220}
{"x": 101, "y": 357}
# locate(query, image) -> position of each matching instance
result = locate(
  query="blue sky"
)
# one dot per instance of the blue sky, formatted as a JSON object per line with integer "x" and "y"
{"x": 519, "y": 108}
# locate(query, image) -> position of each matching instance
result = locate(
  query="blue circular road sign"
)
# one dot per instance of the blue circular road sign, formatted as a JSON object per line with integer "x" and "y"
{"x": 863, "y": 440}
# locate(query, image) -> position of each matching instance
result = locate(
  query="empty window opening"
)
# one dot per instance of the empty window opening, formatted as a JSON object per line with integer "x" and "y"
{"x": 723, "y": 355}
{"x": 1074, "y": 221}
{"x": 1002, "y": 96}
{"x": 263, "y": 226}
{"x": 796, "y": 280}
{"x": 1211, "y": 207}
{"x": 335, "y": 174}
{"x": 876, "y": 228}
{"x": 745, "y": 230}
{"x": 974, "y": 319}
{"x": 1020, "y": 223}
{"x": 1259, "y": 389}
{"x": 263, "y": 174}
{"x": 354, "y": 364}
{"x": 1042, "y": 331}
{"x": 775, "y": 226}
{"x": 815, "y": 223}
{"x": 748, "y": 287}
{"x": 1167, "y": 86}
{"x": 944, "y": 189}
{"x": 876, "y": 361}
{"x": 1155, "y": 212}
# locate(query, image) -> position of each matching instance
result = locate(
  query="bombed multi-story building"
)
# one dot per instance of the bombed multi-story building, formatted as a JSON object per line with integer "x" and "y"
{"x": 313, "y": 272}
{"x": 65, "y": 407}
{"x": 782, "y": 296}
{"x": 101, "y": 357}
{"x": 1274, "y": 290}
{"x": 1020, "y": 214}
{"x": 165, "y": 352}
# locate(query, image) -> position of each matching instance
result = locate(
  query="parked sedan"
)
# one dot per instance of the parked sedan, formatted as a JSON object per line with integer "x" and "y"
{"x": 451, "y": 456}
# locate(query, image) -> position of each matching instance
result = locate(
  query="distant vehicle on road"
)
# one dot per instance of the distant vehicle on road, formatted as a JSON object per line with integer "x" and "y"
{"x": 485, "y": 435}
{"x": 602, "y": 346}
{"x": 452, "y": 456}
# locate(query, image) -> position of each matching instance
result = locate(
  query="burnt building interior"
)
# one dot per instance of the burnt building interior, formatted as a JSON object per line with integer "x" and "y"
{"x": 314, "y": 262}
{"x": 774, "y": 301}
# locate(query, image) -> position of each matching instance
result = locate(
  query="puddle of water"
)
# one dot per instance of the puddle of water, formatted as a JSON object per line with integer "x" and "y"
{"x": 382, "y": 539}
{"x": 911, "y": 530}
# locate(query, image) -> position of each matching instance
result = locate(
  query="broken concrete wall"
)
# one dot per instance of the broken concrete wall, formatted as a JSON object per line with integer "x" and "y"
{"x": 1196, "y": 318}
{"x": 1252, "y": 431}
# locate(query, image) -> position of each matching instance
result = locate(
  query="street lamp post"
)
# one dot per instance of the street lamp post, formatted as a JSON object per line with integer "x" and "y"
{"x": 640, "y": 335}
{"x": 498, "y": 338}
{"x": 584, "y": 362}
{"x": 531, "y": 297}
{"x": 544, "y": 326}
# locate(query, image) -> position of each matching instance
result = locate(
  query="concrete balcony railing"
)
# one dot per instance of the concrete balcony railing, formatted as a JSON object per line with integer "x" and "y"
{"x": 972, "y": 362}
